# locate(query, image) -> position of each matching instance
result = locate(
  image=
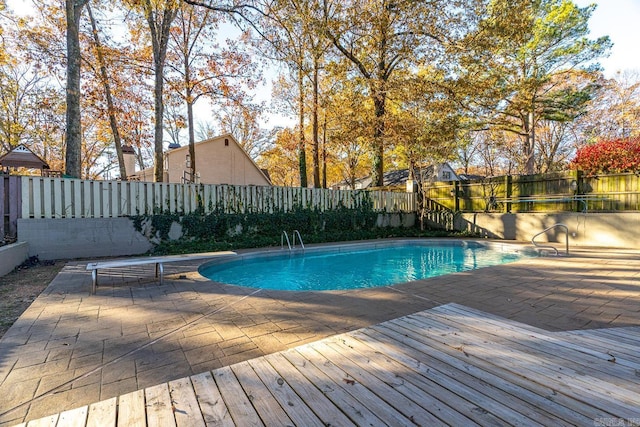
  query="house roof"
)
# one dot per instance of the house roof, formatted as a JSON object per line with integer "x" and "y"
{"x": 177, "y": 148}
{"x": 22, "y": 157}
{"x": 398, "y": 177}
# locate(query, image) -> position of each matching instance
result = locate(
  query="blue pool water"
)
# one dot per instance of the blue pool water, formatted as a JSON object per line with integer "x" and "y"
{"x": 358, "y": 268}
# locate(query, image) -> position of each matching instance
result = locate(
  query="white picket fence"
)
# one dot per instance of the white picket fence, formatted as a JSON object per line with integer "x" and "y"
{"x": 75, "y": 198}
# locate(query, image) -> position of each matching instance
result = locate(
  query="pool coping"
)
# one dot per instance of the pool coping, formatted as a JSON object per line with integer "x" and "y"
{"x": 344, "y": 247}
{"x": 500, "y": 246}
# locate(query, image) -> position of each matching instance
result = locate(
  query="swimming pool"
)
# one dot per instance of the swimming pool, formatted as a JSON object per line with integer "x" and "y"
{"x": 357, "y": 265}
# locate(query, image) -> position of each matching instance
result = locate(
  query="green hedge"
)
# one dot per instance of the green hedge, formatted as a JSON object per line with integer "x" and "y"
{"x": 223, "y": 231}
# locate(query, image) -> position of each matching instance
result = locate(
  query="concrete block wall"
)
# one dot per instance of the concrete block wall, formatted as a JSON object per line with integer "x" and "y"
{"x": 12, "y": 256}
{"x": 614, "y": 230}
{"x": 51, "y": 239}
{"x": 71, "y": 238}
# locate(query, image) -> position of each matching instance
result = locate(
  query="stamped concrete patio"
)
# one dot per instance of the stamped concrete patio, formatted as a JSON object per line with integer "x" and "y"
{"x": 71, "y": 349}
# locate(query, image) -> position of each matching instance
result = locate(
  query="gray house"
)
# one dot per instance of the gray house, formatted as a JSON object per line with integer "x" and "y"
{"x": 399, "y": 178}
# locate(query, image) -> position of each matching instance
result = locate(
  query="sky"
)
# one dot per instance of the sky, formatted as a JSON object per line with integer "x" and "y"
{"x": 619, "y": 19}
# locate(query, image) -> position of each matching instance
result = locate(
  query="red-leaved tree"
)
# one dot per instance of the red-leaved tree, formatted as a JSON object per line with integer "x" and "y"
{"x": 609, "y": 156}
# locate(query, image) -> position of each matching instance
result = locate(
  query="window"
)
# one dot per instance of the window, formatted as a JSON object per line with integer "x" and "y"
{"x": 446, "y": 175}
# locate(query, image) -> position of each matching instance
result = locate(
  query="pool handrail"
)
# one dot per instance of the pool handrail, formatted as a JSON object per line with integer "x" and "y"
{"x": 566, "y": 230}
{"x": 296, "y": 232}
{"x": 284, "y": 236}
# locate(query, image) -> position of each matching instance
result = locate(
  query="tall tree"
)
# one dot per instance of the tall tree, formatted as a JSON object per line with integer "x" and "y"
{"x": 18, "y": 85}
{"x": 111, "y": 109}
{"x": 525, "y": 51}
{"x": 283, "y": 37}
{"x": 159, "y": 15}
{"x": 73, "y": 160}
{"x": 614, "y": 112}
{"x": 202, "y": 68}
{"x": 381, "y": 37}
{"x": 242, "y": 120}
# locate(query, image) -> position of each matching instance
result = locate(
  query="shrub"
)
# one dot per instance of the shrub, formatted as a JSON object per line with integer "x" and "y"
{"x": 609, "y": 156}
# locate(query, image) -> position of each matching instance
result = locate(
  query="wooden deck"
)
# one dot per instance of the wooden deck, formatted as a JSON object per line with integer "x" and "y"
{"x": 447, "y": 366}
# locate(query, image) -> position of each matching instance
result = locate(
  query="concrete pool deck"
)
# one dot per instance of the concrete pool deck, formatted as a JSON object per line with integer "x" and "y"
{"x": 70, "y": 349}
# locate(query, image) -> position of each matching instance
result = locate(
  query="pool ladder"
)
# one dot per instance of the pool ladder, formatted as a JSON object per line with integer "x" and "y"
{"x": 285, "y": 237}
{"x": 546, "y": 247}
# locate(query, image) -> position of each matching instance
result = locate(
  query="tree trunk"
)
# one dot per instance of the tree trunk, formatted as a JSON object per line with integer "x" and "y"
{"x": 158, "y": 171}
{"x": 192, "y": 138}
{"x": 302, "y": 156}
{"x": 379, "y": 104}
{"x": 316, "y": 142}
{"x": 159, "y": 41}
{"x": 107, "y": 90}
{"x": 530, "y": 144}
{"x": 73, "y": 155}
{"x": 324, "y": 151}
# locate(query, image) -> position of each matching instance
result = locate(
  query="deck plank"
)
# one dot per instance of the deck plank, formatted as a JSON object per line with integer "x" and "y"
{"x": 214, "y": 411}
{"x": 473, "y": 398}
{"x": 242, "y": 411}
{"x": 620, "y": 347}
{"x": 73, "y": 418}
{"x": 344, "y": 401}
{"x": 422, "y": 346}
{"x": 49, "y": 421}
{"x": 131, "y": 411}
{"x": 412, "y": 381}
{"x": 298, "y": 411}
{"x": 159, "y": 406}
{"x": 593, "y": 371}
{"x": 582, "y": 386}
{"x": 480, "y": 384}
{"x": 186, "y": 408}
{"x": 102, "y": 414}
{"x": 386, "y": 412}
{"x": 576, "y": 355}
{"x": 266, "y": 405}
{"x": 386, "y": 390}
{"x": 307, "y": 391}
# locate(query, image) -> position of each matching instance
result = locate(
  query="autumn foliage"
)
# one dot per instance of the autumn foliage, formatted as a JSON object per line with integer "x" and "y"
{"x": 609, "y": 156}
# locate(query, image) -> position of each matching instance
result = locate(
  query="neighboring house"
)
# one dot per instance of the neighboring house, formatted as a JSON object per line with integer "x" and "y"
{"x": 470, "y": 177}
{"x": 399, "y": 178}
{"x": 219, "y": 160}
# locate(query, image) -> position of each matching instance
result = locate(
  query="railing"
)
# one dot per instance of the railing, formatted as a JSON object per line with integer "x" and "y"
{"x": 297, "y": 233}
{"x": 539, "y": 246}
{"x": 437, "y": 215}
{"x": 74, "y": 198}
{"x": 285, "y": 237}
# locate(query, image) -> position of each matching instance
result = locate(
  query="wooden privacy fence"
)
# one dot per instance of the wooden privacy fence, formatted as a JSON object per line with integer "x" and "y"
{"x": 569, "y": 191}
{"x": 75, "y": 198}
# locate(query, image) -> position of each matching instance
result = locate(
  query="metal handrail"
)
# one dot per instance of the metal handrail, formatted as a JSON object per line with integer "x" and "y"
{"x": 566, "y": 230}
{"x": 559, "y": 199}
{"x": 283, "y": 236}
{"x": 296, "y": 232}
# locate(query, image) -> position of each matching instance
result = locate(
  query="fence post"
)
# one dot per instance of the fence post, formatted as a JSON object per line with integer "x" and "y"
{"x": 579, "y": 189}
{"x": 456, "y": 195}
{"x": 508, "y": 191}
{"x": 4, "y": 204}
